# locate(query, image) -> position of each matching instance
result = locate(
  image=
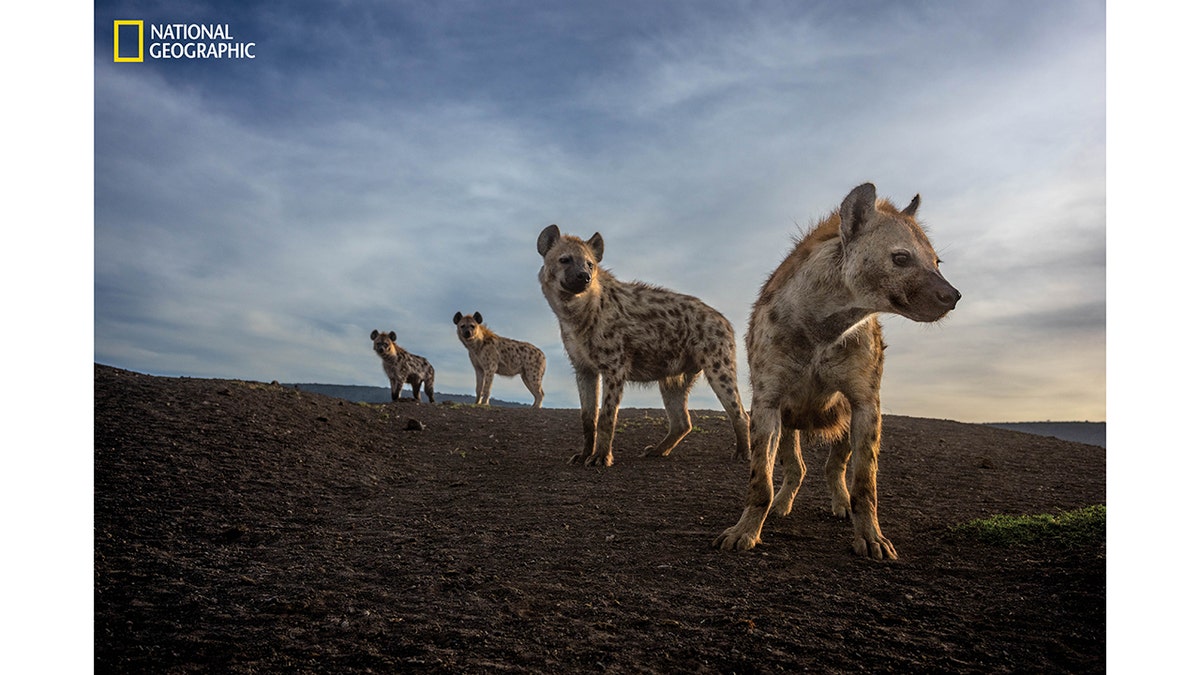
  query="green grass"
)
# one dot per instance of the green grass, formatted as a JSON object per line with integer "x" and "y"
{"x": 1079, "y": 528}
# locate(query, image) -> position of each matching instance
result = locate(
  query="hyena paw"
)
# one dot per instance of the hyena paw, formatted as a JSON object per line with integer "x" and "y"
{"x": 736, "y": 538}
{"x": 841, "y": 508}
{"x": 599, "y": 460}
{"x": 876, "y": 547}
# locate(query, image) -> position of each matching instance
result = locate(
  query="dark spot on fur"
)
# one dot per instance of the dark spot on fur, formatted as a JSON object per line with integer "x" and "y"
{"x": 801, "y": 340}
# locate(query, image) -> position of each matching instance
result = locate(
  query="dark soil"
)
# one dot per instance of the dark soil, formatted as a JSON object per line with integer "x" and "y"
{"x": 245, "y": 527}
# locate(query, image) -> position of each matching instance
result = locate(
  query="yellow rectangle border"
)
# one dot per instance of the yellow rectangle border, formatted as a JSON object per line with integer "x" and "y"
{"x": 117, "y": 58}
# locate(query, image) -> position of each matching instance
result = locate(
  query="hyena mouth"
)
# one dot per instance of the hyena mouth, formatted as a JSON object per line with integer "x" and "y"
{"x": 919, "y": 311}
{"x": 575, "y": 287}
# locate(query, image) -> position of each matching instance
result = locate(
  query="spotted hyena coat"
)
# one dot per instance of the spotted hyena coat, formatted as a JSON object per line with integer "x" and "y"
{"x": 815, "y": 350}
{"x": 616, "y": 332}
{"x": 493, "y": 355}
{"x": 401, "y": 366}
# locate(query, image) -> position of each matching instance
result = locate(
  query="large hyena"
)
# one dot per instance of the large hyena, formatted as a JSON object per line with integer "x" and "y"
{"x": 815, "y": 350}
{"x": 493, "y": 355}
{"x": 401, "y": 366}
{"x": 622, "y": 332}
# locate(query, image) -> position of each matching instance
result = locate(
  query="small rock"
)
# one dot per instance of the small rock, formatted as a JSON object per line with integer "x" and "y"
{"x": 414, "y": 425}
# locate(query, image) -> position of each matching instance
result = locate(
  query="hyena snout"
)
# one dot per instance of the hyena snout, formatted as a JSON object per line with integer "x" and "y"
{"x": 934, "y": 299}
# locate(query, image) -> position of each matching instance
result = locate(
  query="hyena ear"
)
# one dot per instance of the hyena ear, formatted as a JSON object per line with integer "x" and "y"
{"x": 547, "y": 239}
{"x": 457, "y": 317}
{"x": 392, "y": 335}
{"x": 597, "y": 244}
{"x": 478, "y": 317}
{"x": 374, "y": 334}
{"x": 857, "y": 208}
{"x": 911, "y": 209}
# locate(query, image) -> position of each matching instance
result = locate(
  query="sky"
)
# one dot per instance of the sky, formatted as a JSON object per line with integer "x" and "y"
{"x": 383, "y": 165}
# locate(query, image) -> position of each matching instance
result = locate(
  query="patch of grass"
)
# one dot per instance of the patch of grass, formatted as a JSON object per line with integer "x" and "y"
{"x": 1079, "y": 528}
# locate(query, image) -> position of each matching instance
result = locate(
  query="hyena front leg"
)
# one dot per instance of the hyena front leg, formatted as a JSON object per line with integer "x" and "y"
{"x": 478, "y": 385}
{"x": 675, "y": 396}
{"x": 765, "y": 431}
{"x": 793, "y": 472}
{"x": 865, "y": 430}
{"x": 397, "y": 389}
{"x": 606, "y": 427}
{"x": 589, "y": 393}
{"x": 486, "y": 396}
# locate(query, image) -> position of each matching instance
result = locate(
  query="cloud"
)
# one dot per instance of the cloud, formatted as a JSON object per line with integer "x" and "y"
{"x": 259, "y": 221}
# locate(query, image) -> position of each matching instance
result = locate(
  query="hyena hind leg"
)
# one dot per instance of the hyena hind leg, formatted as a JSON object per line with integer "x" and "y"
{"x": 675, "y": 397}
{"x": 723, "y": 380}
{"x": 835, "y": 476}
{"x": 533, "y": 382}
{"x": 792, "y": 459}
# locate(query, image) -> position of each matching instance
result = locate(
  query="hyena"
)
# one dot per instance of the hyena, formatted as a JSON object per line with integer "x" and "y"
{"x": 622, "y": 332}
{"x": 401, "y": 366}
{"x": 815, "y": 351}
{"x": 493, "y": 355}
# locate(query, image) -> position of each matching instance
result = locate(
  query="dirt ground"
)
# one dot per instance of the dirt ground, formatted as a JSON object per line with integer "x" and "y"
{"x": 250, "y": 528}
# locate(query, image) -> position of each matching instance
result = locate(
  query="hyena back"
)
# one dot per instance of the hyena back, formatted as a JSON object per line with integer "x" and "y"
{"x": 401, "y": 366}
{"x": 493, "y": 355}
{"x": 619, "y": 332}
{"x": 815, "y": 350}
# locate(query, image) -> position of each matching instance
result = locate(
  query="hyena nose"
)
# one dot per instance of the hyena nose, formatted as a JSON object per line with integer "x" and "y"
{"x": 584, "y": 278}
{"x": 949, "y": 296}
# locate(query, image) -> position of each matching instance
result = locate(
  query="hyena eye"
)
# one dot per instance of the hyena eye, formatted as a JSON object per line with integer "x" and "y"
{"x": 566, "y": 260}
{"x": 901, "y": 258}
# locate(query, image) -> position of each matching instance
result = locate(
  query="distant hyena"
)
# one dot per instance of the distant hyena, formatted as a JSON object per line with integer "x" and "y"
{"x": 401, "y": 366}
{"x": 633, "y": 332}
{"x": 815, "y": 350}
{"x": 493, "y": 355}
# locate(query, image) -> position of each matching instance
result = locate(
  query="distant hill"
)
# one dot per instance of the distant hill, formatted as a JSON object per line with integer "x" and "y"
{"x": 357, "y": 393}
{"x": 1092, "y": 433}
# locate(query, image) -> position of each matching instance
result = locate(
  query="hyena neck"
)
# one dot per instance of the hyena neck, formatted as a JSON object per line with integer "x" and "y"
{"x": 823, "y": 301}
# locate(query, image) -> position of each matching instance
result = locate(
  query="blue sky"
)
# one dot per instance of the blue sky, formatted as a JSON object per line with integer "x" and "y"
{"x": 386, "y": 164}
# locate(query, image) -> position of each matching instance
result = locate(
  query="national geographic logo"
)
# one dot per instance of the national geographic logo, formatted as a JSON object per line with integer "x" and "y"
{"x": 176, "y": 41}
